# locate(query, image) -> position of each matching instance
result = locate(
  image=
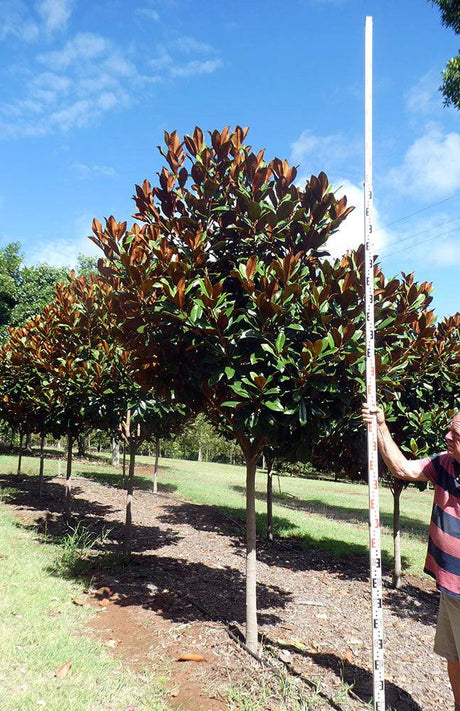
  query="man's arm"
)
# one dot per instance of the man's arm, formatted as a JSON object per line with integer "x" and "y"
{"x": 397, "y": 463}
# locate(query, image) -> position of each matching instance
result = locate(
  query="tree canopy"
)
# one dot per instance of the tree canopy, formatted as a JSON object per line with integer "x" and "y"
{"x": 450, "y": 87}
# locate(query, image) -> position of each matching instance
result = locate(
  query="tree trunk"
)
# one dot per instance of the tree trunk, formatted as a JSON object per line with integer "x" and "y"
{"x": 28, "y": 445}
{"x": 41, "y": 467}
{"x": 127, "y": 542}
{"x": 123, "y": 476}
{"x": 81, "y": 445}
{"x": 251, "y": 556}
{"x": 21, "y": 437}
{"x": 269, "y": 464}
{"x": 115, "y": 453}
{"x": 200, "y": 455}
{"x": 68, "y": 483}
{"x": 155, "y": 467}
{"x": 396, "y": 491}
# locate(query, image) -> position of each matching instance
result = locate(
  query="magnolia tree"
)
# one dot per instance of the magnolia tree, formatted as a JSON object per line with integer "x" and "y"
{"x": 215, "y": 295}
{"x": 146, "y": 418}
{"x": 78, "y": 374}
{"x": 417, "y": 371}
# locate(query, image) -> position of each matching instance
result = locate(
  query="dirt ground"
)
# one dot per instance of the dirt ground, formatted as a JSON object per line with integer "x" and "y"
{"x": 183, "y": 597}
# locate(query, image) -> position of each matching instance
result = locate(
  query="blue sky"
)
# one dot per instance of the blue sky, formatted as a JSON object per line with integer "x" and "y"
{"x": 89, "y": 87}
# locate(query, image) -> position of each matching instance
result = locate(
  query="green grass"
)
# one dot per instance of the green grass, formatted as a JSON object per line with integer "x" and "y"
{"x": 321, "y": 513}
{"x": 40, "y": 630}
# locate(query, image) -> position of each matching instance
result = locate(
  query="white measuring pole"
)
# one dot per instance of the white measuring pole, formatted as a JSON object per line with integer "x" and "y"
{"x": 372, "y": 453}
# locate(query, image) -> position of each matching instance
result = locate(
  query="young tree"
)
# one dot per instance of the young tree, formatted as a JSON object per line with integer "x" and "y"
{"x": 216, "y": 295}
{"x": 417, "y": 367}
{"x": 79, "y": 376}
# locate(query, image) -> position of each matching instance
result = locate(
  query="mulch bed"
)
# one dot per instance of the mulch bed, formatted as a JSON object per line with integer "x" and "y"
{"x": 183, "y": 595}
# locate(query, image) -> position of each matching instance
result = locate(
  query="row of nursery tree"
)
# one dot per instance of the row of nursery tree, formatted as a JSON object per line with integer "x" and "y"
{"x": 220, "y": 300}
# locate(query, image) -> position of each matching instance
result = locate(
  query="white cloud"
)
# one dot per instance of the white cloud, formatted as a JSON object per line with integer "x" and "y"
{"x": 189, "y": 45}
{"x": 195, "y": 68}
{"x": 63, "y": 252}
{"x": 423, "y": 98}
{"x": 18, "y": 19}
{"x": 428, "y": 240}
{"x": 88, "y": 76}
{"x": 325, "y": 153}
{"x": 169, "y": 64}
{"x": 351, "y": 233}
{"x": 16, "y": 22}
{"x": 84, "y": 47}
{"x": 84, "y": 171}
{"x": 148, "y": 12}
{"x": 446, "y": 254}
{"x": 431, "y": 166}
{"x": 55, "y": 13}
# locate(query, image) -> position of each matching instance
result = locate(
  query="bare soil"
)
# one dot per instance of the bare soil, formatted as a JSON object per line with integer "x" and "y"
{"x": 182, "y": 595}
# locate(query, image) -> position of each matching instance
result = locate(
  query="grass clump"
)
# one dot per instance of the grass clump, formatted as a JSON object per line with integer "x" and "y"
{"x": 75, "y": 549}
{"x": 40, "y": 631}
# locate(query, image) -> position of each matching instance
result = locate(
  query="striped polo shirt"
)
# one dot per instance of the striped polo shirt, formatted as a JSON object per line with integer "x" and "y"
{"x": 443, "y": 555}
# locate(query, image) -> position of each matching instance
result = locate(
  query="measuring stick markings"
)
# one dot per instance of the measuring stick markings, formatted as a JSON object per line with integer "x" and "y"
{"x": 372, "y": 450}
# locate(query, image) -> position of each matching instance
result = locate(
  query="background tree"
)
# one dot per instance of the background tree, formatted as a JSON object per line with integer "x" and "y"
{"x": 417, "y": 369}
{"x": 215, "y": 294}
{"x": 450, "y": 87}
{"x": 76, "y": 367}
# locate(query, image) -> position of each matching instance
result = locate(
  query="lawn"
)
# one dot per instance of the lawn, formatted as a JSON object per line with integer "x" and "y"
{"x": 321, "y": 513}
{"x": 40, "y": 632}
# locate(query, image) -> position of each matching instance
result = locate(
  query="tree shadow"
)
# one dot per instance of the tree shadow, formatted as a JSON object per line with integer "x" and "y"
{"x": 92, "y": 518}
{"x": 115, "y": 479}
{"x": 358, "y": 679}
{"x": 179, "y": 589}
{"x": 296, "y": 552}
{"x": 340, "y": 513}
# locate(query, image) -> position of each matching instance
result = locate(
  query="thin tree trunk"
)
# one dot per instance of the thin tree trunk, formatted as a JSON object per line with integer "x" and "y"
{"x": 41, "y": 467}
{"x": 269, "y": 463}
{"x": 68, "y": 483}
{"x": 115, "y": 452}
{"x": 396, "y": 490}
{"x": 21, "y": 437}
{"x": 81, "y": 445}
{"x": 251, "y": 556}
{"x": 127, "y": 542}
{"x": 155, "y": 467}
{"x": 28, "y": 445}
{"x": 123, "y": 477}
{"x": 200, "y": 454}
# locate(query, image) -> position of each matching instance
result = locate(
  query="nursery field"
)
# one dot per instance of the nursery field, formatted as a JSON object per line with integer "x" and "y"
{"x": 172, "y": 617}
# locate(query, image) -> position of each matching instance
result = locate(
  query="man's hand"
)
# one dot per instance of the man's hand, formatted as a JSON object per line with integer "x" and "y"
{"x": 370, "y": 411}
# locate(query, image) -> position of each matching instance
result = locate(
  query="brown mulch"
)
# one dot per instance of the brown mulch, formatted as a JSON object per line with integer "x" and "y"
{"x": 183, "y": 594}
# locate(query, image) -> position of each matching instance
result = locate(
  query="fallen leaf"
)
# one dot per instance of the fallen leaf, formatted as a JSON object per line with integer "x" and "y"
{"x": 104, "y": 591}
{"x": 348, "y": 657}
{"x": 104, "y": 602}
{"x": 191, "y": 658}
{"x": 79, "y": 600}
{"x": 174, "y": 693}
{"x": 112, "y": 643}
{"x": 63, "y": 671}
{"x": 159, "y": 611}
{"x": 285, "y": 656}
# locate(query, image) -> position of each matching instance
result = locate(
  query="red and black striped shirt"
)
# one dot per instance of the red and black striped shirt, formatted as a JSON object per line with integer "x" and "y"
{"x": 443, "y": 555}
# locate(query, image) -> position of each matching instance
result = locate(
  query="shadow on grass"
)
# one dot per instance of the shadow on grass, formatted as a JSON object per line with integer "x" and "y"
{"x": 341, "y": 513}
{"x": 115, "y": 480}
